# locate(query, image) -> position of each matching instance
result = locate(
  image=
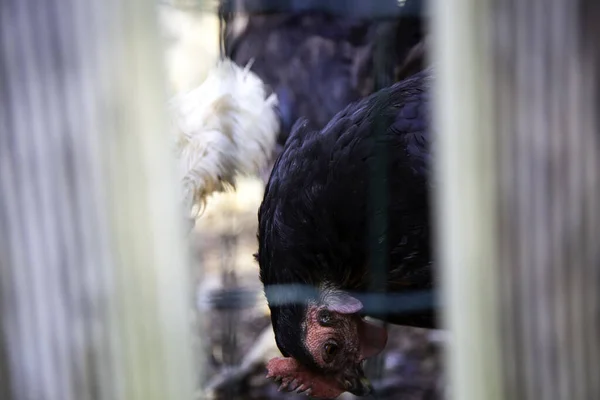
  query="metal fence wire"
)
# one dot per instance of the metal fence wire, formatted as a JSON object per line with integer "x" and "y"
{"x": 97, "y": 296}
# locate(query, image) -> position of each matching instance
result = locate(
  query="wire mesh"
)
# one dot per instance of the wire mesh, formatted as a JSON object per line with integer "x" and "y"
{"x": 93, "y": 281}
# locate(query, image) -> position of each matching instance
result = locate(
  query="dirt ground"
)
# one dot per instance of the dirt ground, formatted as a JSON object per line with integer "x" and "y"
{"x": 224, "y": 241}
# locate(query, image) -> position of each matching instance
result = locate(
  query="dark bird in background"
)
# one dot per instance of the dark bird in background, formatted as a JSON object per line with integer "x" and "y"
{"x": 313, "y": 228}
{"x": 414, "y": 62}
{"x": 318, "y": 63}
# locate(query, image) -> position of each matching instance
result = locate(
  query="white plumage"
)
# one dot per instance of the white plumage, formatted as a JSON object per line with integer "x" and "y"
{"x": 225, "y": 127}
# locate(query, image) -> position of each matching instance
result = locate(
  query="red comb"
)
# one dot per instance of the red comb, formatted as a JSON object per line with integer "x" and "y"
{"x": 295, "y": 377}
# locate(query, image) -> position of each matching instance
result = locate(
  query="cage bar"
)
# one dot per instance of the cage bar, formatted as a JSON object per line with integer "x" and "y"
{"x": 517, "y": 124}
{"x": 95, "y": 296}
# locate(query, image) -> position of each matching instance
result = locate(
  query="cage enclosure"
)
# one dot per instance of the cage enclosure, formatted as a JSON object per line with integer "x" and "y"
{"x": 105, "y": 293}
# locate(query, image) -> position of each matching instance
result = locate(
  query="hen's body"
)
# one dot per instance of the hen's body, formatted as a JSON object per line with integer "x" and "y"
{"x": 313, "y": 222}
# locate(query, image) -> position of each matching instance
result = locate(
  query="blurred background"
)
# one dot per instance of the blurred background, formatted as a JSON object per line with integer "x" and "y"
{"x": 107, "y": 293}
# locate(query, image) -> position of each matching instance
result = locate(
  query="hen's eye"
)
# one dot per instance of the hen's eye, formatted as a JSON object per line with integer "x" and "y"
{"x": 330, "y": 350}
{"x": 325, "y": 317}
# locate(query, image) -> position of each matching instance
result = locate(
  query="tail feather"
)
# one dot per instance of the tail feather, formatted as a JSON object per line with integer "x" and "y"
{"x": 225, "y": 127}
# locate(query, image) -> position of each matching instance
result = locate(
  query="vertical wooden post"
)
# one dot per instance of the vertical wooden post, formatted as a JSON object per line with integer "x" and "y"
{"x": 467, "y": 197}
{"x": 519, "y": 162}
{"x": 94, "y": 293}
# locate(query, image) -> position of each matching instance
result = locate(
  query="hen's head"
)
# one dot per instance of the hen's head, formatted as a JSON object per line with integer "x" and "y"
{"x": 324, "y": 344}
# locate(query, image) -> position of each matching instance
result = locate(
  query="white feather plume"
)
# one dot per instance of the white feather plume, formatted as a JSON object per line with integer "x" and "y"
{"x": 225, "y": 127}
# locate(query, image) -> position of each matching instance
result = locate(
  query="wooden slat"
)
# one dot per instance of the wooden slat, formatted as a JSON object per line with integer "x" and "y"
{"x": 519, "y": 170}
{"x": 93, "y": 268}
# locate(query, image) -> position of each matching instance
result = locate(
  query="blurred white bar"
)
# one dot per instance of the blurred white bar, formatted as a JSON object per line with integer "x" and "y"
{"x": 519, "y": 162}
{"x": 95, "y": 293}
{"x": 467, "y": 197}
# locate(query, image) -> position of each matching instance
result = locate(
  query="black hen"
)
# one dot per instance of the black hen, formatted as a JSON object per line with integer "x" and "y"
{"x": 313, "y": 226}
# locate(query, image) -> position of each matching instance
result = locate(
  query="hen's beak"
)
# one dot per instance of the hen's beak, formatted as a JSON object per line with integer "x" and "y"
{"x": 358, "y": 384}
